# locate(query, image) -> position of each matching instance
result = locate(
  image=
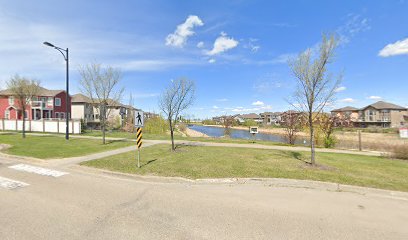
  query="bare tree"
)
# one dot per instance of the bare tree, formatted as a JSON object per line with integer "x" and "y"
{"x": 292, "y": 123}
{"x": 176, "y": 98}
{"x": 101, "y": 86}
{"x": 23, "y": 89}
{"x": 316, "y": 87}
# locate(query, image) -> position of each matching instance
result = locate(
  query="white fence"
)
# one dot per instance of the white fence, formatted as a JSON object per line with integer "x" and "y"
{"x": 54, "y": 126}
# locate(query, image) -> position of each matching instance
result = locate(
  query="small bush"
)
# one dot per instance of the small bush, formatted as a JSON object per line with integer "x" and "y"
{"x": 399, "y": 151}
{"x": 250, "y": 122}
{"x": 156, "y": 125}
{"x": 182, "y": 127}
{"x": 329, "y": 142}
{"x": 209, "y": 122}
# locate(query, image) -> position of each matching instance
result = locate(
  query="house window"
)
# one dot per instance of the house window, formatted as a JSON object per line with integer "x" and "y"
{"x": 11, "y": 100}
{"x": 25, "y": 114}
{"x": 7, "y": 114}
{"x": 58, "y": 102}
{"x": 49, "y": 101}
{"x": 62, "y": 115}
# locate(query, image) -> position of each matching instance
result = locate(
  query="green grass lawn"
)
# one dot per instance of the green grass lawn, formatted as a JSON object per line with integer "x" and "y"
{"x": 221, "y": 162}
{"x": 56, "y": 146}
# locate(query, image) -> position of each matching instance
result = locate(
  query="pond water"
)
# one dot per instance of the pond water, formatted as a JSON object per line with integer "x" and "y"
{"x": 240, "y": 134}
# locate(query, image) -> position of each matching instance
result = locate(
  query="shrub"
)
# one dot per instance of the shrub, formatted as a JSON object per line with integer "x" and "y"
{"x": 182, "y": 127}
{"x": 250, "y": 122}
{"x": 209, "y": 122}
{"x": 156, "y": 125}
{"x": 399, "y": 151}
{"x": 329, "y": 142}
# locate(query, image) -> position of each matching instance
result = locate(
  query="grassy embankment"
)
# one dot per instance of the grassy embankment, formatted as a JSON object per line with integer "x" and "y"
{"x": 223, "y": 162}
{"x": 46, "y": 147}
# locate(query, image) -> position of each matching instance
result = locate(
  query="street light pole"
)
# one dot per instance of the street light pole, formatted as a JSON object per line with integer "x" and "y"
{"x": 66, "y": 57}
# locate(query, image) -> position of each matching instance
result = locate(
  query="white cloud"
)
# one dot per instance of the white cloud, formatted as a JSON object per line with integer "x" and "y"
{"x": 215, "y": 107}
{"x": 354, "y": 24}
{"x": 222, "y": 43}
{"x": 258, "y": 103}
{"x": 183, "y": 31}
{"x": 200, "y": 44}
{"x": 251, "y": 45}
{"x": 393, "y": 49}
{"x": 348, "y": 100}
{"x": 339, "y": 89}
{"x": 212, "y": 60}
{"x": 374, "y": 97}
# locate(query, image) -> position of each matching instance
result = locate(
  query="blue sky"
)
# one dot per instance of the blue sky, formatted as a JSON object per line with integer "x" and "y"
{"x": 236, "y": 51}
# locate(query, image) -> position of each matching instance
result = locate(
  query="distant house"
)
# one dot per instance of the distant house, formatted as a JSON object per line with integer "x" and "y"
{"x": 83, "y": 108}
{"x": 347, "y": 112}
{"x": 382, "y": 114}
{"x": 252, "y": 116}
{"x": 47, "y": 104}
{"x": 269, "y": 118}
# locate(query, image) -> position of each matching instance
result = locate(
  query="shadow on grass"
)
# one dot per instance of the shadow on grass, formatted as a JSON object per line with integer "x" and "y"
{"x": 298, "y": 156}
{"x": 148, "y": 162}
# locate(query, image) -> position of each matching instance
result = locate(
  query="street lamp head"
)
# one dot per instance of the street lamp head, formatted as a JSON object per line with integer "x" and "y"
{"x": 48, "y": 44}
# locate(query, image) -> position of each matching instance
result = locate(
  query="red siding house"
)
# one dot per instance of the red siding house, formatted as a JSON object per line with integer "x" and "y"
{"x": 48, "y": 104}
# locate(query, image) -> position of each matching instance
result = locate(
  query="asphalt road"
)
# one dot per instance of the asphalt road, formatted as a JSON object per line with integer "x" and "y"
{"x": 91, "y": 204}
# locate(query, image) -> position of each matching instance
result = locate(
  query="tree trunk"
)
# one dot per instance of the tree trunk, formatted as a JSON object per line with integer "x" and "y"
{"x": 24, "y": 135}
{"x": 312, "y": 145}
{"x": 172, "y": 135}
{"x": 103, "y": 131}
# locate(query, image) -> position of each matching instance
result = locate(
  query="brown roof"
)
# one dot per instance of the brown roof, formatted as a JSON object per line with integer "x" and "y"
{"x": 42, "y": 92}
{"x": 384, "y": 105}
{"x": 345, "y": 109}
{"x": 80, "y": 98}
{"x": 250, "y": 116}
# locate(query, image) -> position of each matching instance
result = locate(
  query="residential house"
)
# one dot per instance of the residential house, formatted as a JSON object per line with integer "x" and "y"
{"x": 252, "y": 116}
{"x": 348, "y": 112}
{"x": 47, "y": 104}
{"x": 89, "y": 111}
{"x": 83, "y": 109}
{"x": 382, "y": 114}
{"x": 269, "y": 118}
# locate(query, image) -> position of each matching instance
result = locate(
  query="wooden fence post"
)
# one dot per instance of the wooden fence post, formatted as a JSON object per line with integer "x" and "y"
{"x": 359, "y": 140}
{"x": 43, "y": 125}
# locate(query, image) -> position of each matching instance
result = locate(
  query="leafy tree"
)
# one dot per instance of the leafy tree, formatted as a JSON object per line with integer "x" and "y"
{"x": 23, "y": 89}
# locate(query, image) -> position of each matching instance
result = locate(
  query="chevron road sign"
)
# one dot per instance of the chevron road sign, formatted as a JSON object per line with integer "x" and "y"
{"x": 139, "y": 142}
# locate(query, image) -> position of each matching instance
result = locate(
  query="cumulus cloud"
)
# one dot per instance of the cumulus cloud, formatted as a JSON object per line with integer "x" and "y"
{"x": 212, "y": 60}
{"x": 374, "y": 97}
{"x": 222, "y": 43}
{"x": 183, "y": 31}
{"x": 348, "y": 100}
{"x": 339, "y": 89}
{"x": 200, "y": 44}
{"x": 258, "y": 103}
{"x": 393, "y": 49}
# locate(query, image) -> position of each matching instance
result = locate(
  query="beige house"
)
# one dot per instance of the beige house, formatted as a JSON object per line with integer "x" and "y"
{"x": 382, "y": 114}
{"x": 347, "y": 112}
{"x": 83, "y": 108}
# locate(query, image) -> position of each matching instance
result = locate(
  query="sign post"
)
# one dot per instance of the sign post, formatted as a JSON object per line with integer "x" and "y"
{"x": 253, "y": 130}
{"x": 139, "y": 123}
